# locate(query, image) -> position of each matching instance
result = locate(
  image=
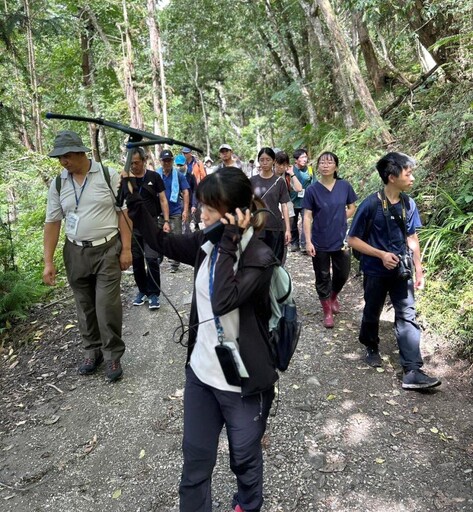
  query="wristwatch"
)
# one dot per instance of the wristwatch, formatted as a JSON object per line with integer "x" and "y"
{"x": 166, "y": 221}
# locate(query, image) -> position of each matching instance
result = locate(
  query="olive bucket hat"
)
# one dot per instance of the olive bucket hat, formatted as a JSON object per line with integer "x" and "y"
{"x": 68, "y": 142}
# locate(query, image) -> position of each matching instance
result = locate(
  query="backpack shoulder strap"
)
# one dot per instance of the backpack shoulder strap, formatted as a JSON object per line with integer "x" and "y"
{"x": 373, "y": 205}
{"x": 58, "y": 184}
{"x": 106, "y": 174}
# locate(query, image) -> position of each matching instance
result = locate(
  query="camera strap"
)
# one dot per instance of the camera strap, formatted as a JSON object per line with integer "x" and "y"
{"x": 388, "y": 210}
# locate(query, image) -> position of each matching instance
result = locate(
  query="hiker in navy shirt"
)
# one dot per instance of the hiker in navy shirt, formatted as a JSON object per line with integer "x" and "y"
{"x": 388, "y": 251}
{"x": 328, "y": 203}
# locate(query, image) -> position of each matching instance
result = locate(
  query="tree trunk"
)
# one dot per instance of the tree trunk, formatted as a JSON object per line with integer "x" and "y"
{"x": 222, "y": 101}
{"x": 205, "y": 116}
{"x": 125, "y": 75}
{"x": 350, "y": 66}
{"x": 388, "y": 64}
{"x": 36, "y": 108}
{"x": 129, "y": 72}
{"x": 287, "y": 58}
{"x": 162, "y": 77}
{"x": 86, "y": 37}
{"x": 341, "y": 84}
{"x": 429, "y": 30}
{"x": 376, "y": 73}
{"x": 155, "y": 70}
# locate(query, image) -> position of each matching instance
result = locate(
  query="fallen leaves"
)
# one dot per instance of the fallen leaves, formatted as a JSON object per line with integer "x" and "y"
{"x": 334, "y": 467}
{"x": 90, "y": 445}
{"x": 116, "y": 494}
{"x": 52, "y": 420}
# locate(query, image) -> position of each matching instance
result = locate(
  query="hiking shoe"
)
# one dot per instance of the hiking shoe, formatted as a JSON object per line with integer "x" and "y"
{"x": 140, "y": 299}
{"x": 90, "y": 364}
{"x": 372, "y": 357}
{"x": 153, "y": 302}
{"x": 417, "y": 379}
{"x": 114, "y": 370}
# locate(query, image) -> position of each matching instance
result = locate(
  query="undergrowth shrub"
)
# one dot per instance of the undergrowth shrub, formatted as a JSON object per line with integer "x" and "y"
{"x": 17, "y": 294}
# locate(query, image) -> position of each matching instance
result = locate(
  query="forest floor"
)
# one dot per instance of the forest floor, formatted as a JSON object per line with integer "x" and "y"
{"x": 344, "y": 437}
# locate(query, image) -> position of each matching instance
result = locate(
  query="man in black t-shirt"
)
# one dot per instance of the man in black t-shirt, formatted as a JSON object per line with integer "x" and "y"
{"x": 151, "y": 189}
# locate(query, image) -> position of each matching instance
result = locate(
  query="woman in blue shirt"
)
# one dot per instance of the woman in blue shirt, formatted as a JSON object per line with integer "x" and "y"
{"x": 328, "y": 204}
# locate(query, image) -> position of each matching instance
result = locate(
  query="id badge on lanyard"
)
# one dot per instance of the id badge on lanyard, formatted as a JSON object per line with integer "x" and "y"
{"x": 72, "y": 222}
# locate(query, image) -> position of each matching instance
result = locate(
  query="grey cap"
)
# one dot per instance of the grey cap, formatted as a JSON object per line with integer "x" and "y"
{"x": 225, "y": 146}
{"x": 68, "y": 142}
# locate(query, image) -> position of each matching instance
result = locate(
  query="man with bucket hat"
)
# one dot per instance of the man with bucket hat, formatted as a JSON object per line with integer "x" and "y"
{"x": 97, "y": 248}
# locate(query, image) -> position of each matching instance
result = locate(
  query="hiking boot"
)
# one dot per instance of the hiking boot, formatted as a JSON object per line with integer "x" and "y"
{"x": 90, "y": 364}
{"x": 153, "y": 302}
{"x": 140, "y": 299}
{"x": 372, "y": 357}
{"x": 328, "y": 316}
{"x": 335, "y": 303}
{"x": 417, "y": 379}
{"x": 114, "y": 370}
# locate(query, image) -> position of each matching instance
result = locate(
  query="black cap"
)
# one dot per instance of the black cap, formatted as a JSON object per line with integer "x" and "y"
{"x": 166, "y": 154}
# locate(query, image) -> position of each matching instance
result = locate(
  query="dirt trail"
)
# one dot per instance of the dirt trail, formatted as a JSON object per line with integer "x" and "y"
{"x": 345, "y": 437}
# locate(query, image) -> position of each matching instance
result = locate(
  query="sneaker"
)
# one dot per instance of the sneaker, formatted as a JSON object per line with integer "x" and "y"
{"x": 140, "y": 299}
{"x": 417, "y": 379}
{"x": 114, "y": 370}
{"x": 153, "y": 302}
{"x": 294, "y": 248}
{"x": 238, "y": 509}
{"x": 90, "y": 365}
{"x": 372, "y": 357}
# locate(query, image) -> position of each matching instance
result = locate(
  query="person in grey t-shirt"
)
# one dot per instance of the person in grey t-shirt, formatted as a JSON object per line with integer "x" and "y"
{"x": 97, "y": 248}
{"x": 273, "y": 191}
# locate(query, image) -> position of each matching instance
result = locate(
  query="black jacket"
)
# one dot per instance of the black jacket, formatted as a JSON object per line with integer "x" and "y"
{"x": 246, "y": 289}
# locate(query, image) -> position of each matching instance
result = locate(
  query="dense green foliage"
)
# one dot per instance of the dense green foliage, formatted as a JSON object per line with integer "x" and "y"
{"x": 249, "y": 73}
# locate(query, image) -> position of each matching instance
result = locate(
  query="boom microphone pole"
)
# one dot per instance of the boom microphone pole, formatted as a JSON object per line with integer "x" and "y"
{"x": 135, "y": 134}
